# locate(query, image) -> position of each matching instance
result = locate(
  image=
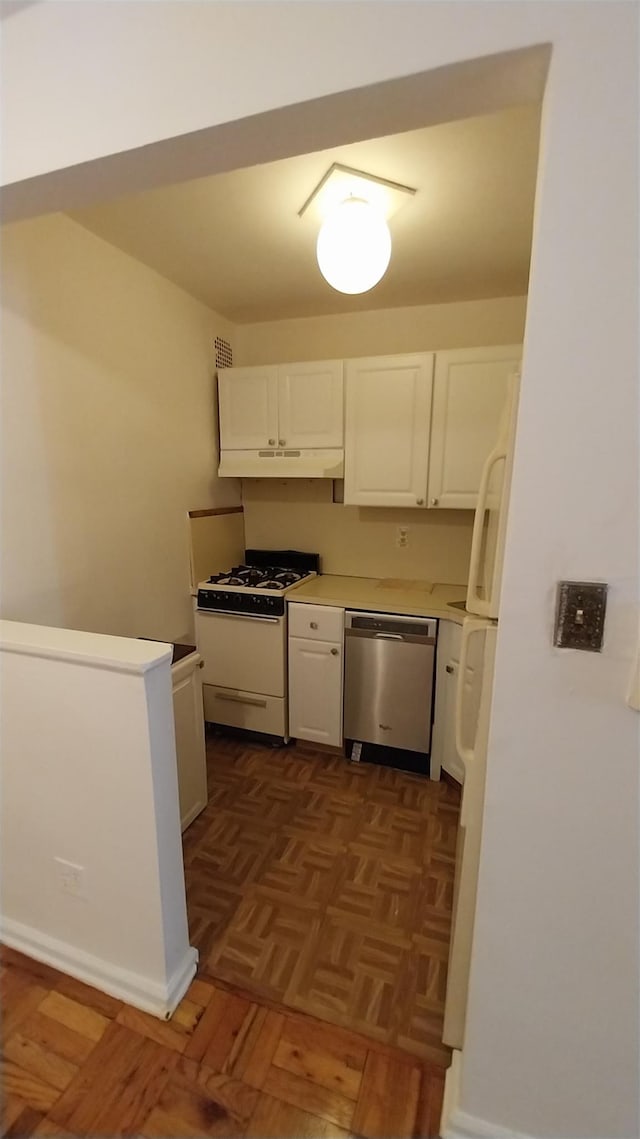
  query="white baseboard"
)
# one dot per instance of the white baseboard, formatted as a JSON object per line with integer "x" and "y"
{"x": 141, "y": 992}
{"x": 192, "y": 815}
{"x": 458, "y": 1124}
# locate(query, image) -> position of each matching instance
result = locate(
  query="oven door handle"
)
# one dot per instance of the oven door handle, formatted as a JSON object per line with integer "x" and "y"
{"x": 242, "y": 616}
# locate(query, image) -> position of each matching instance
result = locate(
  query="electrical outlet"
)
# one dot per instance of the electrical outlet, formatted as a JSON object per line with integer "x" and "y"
{"x": 71, "y": 878}
{"x": 402, "y": 537}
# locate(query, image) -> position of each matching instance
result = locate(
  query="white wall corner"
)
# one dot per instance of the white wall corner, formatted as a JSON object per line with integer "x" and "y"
{"x": 458, "y": 1124}
{"x": 142, "y": 992}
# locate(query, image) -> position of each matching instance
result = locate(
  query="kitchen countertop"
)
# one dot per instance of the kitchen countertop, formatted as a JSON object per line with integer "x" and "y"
{"x": 382, "y": 595}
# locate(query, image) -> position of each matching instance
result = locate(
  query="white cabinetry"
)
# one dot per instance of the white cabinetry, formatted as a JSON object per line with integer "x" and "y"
{"x": 316, "y": 667}
{"x": 443, "y": 749}
{"x": 444, "y": 753}
{"x": 469, "y": 394}
{"x": 284, "y": 419}
{"x": 388, "y": 412}
{"x": 248, "y": 405}
{"x": 416, "y": 428}
{"x": 188, "y": 718}
{"x": 310, "y": 404}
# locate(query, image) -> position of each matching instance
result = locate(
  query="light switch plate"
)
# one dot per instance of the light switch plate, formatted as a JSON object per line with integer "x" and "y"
{"x": 580, "y": 611}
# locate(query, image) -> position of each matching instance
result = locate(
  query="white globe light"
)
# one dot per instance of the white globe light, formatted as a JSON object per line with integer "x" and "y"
{"x": 354, "y": 246}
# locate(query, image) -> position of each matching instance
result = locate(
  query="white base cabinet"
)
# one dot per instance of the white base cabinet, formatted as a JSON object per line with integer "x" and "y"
{"x": 316, "y": 673}
{"x": 190, "y": 746}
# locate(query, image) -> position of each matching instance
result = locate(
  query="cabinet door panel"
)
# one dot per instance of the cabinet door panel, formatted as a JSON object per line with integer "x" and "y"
{"x": 443, "y": 747}
{"x": 469, "y": 394}
{"x": 315, "y": 691}
{"x": 188, "y": 715}
{"x": 310, "y": 398}
{"x": 248, "y": 405}
{"x": 388, "y": 411}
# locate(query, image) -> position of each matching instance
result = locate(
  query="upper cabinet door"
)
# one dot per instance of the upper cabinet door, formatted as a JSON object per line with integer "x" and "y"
{"x": 248, "y": 403}
{"x": 310, "y": 405}
{"x": 469, "y": 393}
{"x": 388, "y": 412}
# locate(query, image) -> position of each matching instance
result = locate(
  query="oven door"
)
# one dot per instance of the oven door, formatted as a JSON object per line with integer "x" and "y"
{"x": 242, "y": 652}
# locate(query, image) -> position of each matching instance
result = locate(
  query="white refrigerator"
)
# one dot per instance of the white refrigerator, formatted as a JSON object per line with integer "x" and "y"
{"x": 473, "y": 702}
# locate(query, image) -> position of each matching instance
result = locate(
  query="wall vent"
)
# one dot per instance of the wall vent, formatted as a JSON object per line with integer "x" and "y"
{"x": 224, "y": 355}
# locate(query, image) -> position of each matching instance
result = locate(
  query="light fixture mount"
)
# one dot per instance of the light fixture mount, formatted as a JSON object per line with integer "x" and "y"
{"x": 342, "y": 182}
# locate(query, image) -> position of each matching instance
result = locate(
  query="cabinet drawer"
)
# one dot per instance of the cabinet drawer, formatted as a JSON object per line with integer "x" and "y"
{"x": 316, "y": 622}
{"x": 244, "y": 710}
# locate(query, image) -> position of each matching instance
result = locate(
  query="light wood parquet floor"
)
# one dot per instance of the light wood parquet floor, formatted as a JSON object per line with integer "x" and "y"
{"x": 326, "y": 887}
{"x": 79, "y": 1063}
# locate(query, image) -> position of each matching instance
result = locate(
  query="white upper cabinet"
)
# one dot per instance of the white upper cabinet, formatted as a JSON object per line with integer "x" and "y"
{"x": 469, "y": 394}
{"x": 282, "y": 420}
{"x": 310, "y": 405}
{"x": 248, "y": 406}
{"x": 388, "y": 413}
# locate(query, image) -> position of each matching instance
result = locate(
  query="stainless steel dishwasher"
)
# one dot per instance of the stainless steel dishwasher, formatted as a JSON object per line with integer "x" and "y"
{"x": 389, "y": 663}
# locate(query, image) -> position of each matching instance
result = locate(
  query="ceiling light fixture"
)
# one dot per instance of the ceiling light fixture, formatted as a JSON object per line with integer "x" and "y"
{"x": 354, "y": 246}
{"x": 354, "y": 243}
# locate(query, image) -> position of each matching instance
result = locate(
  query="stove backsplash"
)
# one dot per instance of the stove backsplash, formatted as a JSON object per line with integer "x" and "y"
{"x": 356, "y": 541}
{"x": 288, "y": 559}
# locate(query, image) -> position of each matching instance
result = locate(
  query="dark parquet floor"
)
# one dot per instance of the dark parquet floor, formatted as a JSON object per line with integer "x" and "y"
{"x": 325, "y": 887}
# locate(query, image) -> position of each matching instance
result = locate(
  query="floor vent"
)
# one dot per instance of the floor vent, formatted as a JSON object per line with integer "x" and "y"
{"x": 224, "y": 355}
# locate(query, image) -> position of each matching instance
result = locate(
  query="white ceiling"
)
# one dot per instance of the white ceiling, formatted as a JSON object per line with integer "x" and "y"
{"x": 235, "y": 241}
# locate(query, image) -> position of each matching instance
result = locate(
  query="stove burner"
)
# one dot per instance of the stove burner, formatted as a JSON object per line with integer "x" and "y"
{"x": 253, "y": 577}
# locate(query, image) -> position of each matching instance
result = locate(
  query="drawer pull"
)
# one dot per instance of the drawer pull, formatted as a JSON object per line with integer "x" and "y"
{"x": 334, "y": 652}
{"x": 233, "y": 699}
{"x": 313, "y": 624}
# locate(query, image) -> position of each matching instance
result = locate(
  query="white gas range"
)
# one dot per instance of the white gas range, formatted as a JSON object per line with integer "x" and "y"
{"x": 241, "y": 633}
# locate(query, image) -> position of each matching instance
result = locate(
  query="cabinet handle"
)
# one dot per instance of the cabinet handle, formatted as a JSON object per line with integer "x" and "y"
{"x": 313, "y": 624}
{"x": 334, "y": 652}
{"x": 281, "y": 442}
{"x": 449, "y": 668}
{"x": 200, "y": 664}
{"x": 272, "y": 442}
{"x": 420, "y": 501}
{"x": 434, "y": 501}
{"x": 233, "y": 699}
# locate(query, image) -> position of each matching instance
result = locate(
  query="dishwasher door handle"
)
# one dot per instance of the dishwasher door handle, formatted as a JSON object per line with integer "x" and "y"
{"x": 388, "y": 637}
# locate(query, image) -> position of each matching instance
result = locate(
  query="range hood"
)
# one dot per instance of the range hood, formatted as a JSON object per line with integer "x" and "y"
{"x": 292, "y": 464}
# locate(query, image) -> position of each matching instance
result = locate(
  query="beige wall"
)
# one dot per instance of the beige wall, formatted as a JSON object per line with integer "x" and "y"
{"x": 108, "y": 434}
{"x": 421, "y": 328}
{"x": 357, "y": 541}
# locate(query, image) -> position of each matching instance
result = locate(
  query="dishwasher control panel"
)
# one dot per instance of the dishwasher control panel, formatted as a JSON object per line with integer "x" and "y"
{"x": 392, "y": 624}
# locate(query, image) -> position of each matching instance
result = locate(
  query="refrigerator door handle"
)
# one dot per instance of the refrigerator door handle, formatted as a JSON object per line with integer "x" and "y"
{"x": 469, "y": 629}
{"x": 475, "y": 603}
